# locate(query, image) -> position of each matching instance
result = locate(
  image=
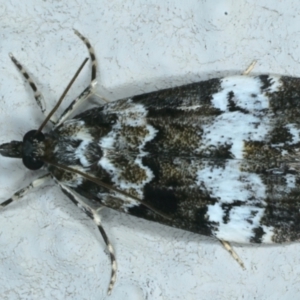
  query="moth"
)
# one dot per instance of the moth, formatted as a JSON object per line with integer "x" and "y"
{"x": 218, "y": 157}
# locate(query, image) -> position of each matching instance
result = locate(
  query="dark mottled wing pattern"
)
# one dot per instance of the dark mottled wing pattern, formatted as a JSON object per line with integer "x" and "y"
{"x": 220, "y": 157}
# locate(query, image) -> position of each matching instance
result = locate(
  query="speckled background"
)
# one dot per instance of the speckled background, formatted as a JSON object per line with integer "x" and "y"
{"x": 50, "y": 249}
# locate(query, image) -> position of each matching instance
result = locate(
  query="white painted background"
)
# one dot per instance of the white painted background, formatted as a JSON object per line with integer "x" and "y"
{"x": 51, "y": 250}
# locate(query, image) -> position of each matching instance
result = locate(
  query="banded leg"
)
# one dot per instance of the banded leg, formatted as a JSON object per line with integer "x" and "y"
{"x": 39, "y": 98}
{"x": 235, "y": 256}
{"x": 95, "y": 217}
{"x": 88, "y": 90}
{"x": 20, "y": 193}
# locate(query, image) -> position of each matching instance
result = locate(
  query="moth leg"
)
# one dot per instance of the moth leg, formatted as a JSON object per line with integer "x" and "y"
{"x": 88, "y": 90}
{"x": 102, "y": 98}
{"x": 20, "y": 193}
{"x": 96, "y": 218}
{"x": 228, "y": 247}
{"x": 250, "y": 68}
{"x": 39, "y": 98}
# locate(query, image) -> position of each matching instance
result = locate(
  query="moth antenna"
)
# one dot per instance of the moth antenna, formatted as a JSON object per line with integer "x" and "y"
{"x": 61, "y": 97}
{"x": 92, "y": 54}
{"x": 106, "y": 186}
{"x": 39, "y": 98}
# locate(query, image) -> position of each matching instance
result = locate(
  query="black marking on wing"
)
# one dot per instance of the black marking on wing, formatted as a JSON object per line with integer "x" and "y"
{"x": 258, "y": 235}
{"x": 186, "y": 95}
{"x": 232, "y": 106}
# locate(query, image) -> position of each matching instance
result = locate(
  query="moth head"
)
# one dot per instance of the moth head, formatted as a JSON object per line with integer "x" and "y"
{"x": 25, "y": 149}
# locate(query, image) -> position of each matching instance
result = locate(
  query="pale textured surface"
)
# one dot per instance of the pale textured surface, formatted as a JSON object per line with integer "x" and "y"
{"x": 49, "y": 249}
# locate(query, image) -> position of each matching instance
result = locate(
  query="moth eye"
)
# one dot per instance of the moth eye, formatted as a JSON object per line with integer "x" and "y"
{"x": 29, "y": 158}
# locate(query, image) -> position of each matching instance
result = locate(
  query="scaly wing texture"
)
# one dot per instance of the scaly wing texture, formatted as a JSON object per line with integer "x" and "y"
{"x": 219, "y": 157}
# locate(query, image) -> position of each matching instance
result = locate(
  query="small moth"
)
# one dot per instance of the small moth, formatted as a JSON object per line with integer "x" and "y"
{"x": 218, "y": 157}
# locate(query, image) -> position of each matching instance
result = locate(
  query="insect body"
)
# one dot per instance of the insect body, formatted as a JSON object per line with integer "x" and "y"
{"x": 217, "y": 157}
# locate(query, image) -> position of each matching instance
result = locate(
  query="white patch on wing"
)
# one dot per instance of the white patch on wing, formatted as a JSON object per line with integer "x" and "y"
{"x": 132, "y": 115}
{"x": 243, "y": 87}
{"x": 229, "y": 184}
{"x": 190, "y": 107}
{"x": 294, "y": 131}
{"x": 242, "y": 220}
{"x": 269, "y": 234}
{"x": 276, "y": 83}
{"x": 129, "y": 113}
{"x": 106, "y": 164}
{"x": 108, "y": 141}
{"x": 83, "y": 134}
{"x": 77, "y": 129}
{"x": 233, "y": 128}
{"x": 124, "y": 184}
{"x": 290, "y": 181}
{"x": 80, "y": 153}
{"x": 247, "y": 91}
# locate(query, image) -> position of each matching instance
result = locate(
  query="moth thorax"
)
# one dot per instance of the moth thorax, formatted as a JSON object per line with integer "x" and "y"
{"x": 31, "y": 142}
